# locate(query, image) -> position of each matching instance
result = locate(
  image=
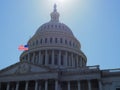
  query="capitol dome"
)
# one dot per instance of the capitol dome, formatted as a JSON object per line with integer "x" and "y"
{"x": 54, "y": 45}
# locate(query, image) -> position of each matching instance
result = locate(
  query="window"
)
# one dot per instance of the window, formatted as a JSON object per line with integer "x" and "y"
{"x": 52, "y": 26}
{"x": 45, "y": 40}
{"x": 56, "y": 26}
{"x": 70, "y": 43}
{"x": 62, "y": 59}
{"x": 75, "y": 62}
{"x": 50, "y": 40}
{"x": 56, "y": 60}
{"x": 44, "y": 27}
{"x": 118, "y": 88}
{"x": 41, "y": 41}
{"x": 78, "y": 62}
{"x": 48, "y": 26}
{"x": 63, "y": 27}
{"x": 36, "y": 42}
{"x": 60, "y": 40}
{"x": 33, "y": 43}
{"x": 55, "y": 40}
{"x": 43, "y": 59}
{"x": 73, "y": 44}
{"x": 59, "y": 26}
{"x": 50, "y": 59}
{"x": 65, "y": 41}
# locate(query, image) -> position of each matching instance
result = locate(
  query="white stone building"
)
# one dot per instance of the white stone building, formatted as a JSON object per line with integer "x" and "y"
{"x": 55, "y": 61}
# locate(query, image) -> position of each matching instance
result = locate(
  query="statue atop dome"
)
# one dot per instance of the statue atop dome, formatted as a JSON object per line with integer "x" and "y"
{"x": 55, "y": 15}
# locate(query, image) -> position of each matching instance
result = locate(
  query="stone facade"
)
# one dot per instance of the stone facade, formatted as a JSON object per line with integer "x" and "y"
{"x": 55, "y": 61}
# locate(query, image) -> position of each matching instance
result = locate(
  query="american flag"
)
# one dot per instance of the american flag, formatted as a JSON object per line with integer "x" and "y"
{"x": 23, "y": 47}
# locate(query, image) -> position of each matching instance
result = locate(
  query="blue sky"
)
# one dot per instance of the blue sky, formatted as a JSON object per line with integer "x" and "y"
{"x": 95, "y": 23}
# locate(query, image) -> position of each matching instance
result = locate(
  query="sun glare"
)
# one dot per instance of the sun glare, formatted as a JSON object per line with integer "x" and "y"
{"x": 60, "y": 1}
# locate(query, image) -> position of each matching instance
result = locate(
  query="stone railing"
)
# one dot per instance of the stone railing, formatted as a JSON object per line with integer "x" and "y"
{"x": 83, "y": 70}
{"x": 111, "y": 72}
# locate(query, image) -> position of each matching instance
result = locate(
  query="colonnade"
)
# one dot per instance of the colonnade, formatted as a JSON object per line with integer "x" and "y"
{"x": 57, "y": 86}
{"x": 55, "y": 57}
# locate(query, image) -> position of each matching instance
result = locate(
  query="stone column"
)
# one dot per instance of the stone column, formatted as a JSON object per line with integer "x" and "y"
{"x": 40, "y": 61}
{"x": 36, "y": 85}
{"x": 52, "y": 57}
{"x": 77, "y": 60}
{"x": 8, "y": 86}
{"x": 46, "y": 85}
{"x": 68, "y": 85}
{"x": 72, "y": 60}
{"x": 26, "y": 85}
{"x": 89, "y": 85}
{"x": 80, "y": 61}
{"x": 46, "y": 57}
{"x": 79, "y": 86}
{"x": 56, "y": 85}
{"x": 59, "y": 59}
{"x": 29, "y": 57}
{"x": 66, "y": 55}
{"x": 100, "y": 85}
{"x": 33, "y": 58}
{"x": 17, "y": 86}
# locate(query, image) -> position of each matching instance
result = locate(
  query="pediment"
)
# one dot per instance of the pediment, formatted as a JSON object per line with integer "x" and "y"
{"x": 23, "y": 68}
